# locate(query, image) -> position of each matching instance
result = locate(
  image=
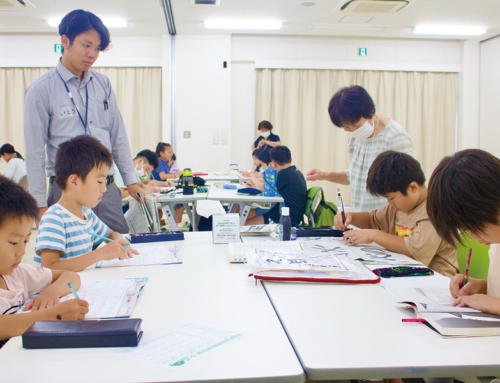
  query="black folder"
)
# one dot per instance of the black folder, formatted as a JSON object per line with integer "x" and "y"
{"x": 77, "y": 334}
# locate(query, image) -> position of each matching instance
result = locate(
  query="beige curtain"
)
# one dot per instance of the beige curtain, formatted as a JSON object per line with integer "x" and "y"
{"x": 138, "y": 94}
{"x": 296, "y": 102}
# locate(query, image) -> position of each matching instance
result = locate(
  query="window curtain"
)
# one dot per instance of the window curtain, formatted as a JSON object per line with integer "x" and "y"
{"x": 296, "y": 102}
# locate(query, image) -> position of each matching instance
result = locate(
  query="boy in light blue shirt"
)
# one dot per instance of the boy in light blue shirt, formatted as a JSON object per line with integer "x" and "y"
{"x": 64, "y": 239}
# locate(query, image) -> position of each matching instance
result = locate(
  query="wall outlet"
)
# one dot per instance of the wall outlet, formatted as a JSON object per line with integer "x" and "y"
{"x": 224, "y": 136}
{"x": 215, "y": 136}
{"x": 187, "y": 134}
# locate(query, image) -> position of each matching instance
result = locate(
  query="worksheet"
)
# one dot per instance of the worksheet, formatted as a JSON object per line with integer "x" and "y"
{"x": 176, "y": 347}
{"x": 238, "y": 251}
{"x": 157, "y": 253}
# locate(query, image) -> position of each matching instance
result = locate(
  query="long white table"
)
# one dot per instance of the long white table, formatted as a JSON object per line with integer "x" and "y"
{"x": 205, "y": 290}
{"x": 355, "y": 332}
{"x": 246, "y": 202}
{"x": 168, "y": 203}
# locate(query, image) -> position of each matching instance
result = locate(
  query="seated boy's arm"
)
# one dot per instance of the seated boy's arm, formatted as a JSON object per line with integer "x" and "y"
{"x": 52, "y": 260}
{"x": 124, "y": 192}
{"x": 17, "y": 324}
{"x": 360, "y": 220}
{"x": 389, "y": 241}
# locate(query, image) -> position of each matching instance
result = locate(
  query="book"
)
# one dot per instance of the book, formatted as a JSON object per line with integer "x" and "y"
{"x": 109, "y": 298}
{"x": 434, "y": 307}
{"x": 238, "y": 251}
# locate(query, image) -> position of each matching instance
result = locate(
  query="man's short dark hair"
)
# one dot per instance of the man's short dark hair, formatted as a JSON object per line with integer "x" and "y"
{"x": 265, "y": 124}
{"x": 15, "y": 202}
{"x": 79, "y": 156}
{"x": 149, "y": 156}
{"x": 349, "y": 105}
{"x": 161, "y": 148}
{"x": 464, "y": 194}
{"x": 393, "y": 172}
{"x": 281, "y": 155}
{"x": 264, "y": 156}
{"x": 79, "y": 21}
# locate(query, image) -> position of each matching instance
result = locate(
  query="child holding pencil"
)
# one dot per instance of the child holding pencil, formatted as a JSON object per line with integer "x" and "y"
{"x": 69, "y": 229}
{"x": 464, "y": 196}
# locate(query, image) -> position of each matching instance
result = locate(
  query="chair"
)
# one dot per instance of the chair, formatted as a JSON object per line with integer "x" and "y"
{"x": 23, "y": 182}
{"x": 314, "y": 197}
{"x": 479, "y": 261}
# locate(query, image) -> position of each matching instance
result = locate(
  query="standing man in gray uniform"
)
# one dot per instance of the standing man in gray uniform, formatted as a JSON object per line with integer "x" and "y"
{"x": 72, "y": 100}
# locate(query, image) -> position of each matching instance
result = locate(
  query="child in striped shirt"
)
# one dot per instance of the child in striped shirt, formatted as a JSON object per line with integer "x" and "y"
{"x": 65, "y": 239}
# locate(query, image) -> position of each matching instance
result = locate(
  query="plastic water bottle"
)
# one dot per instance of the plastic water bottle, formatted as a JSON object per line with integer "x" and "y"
{"x": 285, "y": 224}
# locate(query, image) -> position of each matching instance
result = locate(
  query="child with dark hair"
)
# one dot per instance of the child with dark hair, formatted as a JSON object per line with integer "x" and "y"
{"x": 164, "y": 152}
{"x": 464, "y": 196}
{"x": 403, "y": 225}
{"x": 256, "y": 163}
{"x": 16, "y": 168}
{"x": 64, "y": 237}
{"x": 291, "y": 185}
{"x": 19, "y": 281}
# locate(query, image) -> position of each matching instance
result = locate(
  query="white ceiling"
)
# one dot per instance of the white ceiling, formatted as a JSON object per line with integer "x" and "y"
{"x": 146, "y": 17}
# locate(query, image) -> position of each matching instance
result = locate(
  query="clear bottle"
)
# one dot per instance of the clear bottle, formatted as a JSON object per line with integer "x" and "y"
{"x": 285, "y": 224}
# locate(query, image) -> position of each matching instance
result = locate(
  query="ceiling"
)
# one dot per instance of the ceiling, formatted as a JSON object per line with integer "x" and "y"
{"x": 146, "y": 17}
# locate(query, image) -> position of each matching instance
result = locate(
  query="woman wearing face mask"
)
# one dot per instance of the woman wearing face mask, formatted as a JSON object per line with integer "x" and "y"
{"x": 370, "y": 133}
{"x": 16, "y": 168}
{"x": 266, "y": 138}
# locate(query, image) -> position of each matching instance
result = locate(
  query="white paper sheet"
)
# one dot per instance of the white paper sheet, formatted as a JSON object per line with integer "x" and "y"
{"x": 207, "y": 207}
{"x": 176, "y": 347}
{"x": 158, "y": 253}
{"x": 238, "y": 251}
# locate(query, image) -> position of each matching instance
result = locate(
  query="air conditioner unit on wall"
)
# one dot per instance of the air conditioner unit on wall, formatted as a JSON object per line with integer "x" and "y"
{"x": 374, "y": 7}
{"x": 15, "y": 4}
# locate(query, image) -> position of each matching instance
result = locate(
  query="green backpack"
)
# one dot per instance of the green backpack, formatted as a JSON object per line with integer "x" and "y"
{"x": 318, "y": 211}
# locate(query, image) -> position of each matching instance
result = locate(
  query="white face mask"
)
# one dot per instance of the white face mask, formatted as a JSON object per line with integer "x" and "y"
{"x": 364, "y": 131}
{"x": 265, "y": 134}
{"x": 139, "y": 172}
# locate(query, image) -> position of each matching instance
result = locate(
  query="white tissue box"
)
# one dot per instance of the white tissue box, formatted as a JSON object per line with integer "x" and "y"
{"x": 226, "y": 228}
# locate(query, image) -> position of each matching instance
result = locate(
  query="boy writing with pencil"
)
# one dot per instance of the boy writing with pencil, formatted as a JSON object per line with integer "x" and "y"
{"x": 18, "y": 281}
{"x": 402, "y": 225}
{"x": 464, "y": 196}
{"x": 69, "y": 229}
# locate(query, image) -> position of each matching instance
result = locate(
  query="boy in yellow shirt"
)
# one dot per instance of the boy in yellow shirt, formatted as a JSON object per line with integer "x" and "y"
{"x": 402, "y": 225}
{"x": 464, "y": 196}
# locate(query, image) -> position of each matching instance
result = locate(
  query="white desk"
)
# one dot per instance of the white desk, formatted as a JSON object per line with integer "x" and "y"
{"x": 355, "y": 332}
{"x": 244, "y": 201}
{"x": 167, "y": 203}
{"x": 205, "y": 290}
{"x": 214, "y": 177}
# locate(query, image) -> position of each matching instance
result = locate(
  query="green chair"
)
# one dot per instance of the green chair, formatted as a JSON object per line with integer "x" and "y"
{"x": 479, "y": 261}
{"x": 315, "y": 209}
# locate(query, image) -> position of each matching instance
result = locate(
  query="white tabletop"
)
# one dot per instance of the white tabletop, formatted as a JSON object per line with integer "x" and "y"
{"x": 231, "y": 195}
{"x": 355, "y": 332}
{"x": 179, "y": 198}
{"x": 214, "y": 177}
{"x": 204, "y": 290}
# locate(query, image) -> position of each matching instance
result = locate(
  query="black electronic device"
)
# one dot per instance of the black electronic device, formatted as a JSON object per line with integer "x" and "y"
{"x": 325, "y": 231}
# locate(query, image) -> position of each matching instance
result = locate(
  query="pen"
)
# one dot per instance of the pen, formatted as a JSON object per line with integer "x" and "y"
{"x": 73, "y": 290}
{"x": 342, "y": 204}
{"x": 104, "y": 238}
{"x": 413, "y": 321}
{"x": 466, "y": 276}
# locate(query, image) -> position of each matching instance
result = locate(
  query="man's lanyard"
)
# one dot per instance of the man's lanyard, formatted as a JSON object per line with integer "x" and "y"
{"x": 73, "y": 101}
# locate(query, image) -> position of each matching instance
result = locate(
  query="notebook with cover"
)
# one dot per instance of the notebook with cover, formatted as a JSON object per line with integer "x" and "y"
{"x": 76, "y": 334}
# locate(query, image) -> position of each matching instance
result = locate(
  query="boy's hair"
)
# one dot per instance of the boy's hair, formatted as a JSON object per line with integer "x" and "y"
{"x": 349, "y": 105}
{"x": 79, "y": 156}
{"x": 149, "y": 156}
{"x": 281, "y": 155}
{"x": 393, "y": 172}
{"x": 464, "y": 194}
{"x": 265, "y": 124}
{"x": 161, "y": 147}
{"x": 15, "y": 202}
{"x": 265, "y": 156}
{"x": 79, "y": 21}
{"x": 9, "y": 149}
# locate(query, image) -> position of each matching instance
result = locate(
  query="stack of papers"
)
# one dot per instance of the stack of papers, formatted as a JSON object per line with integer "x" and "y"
{"x": 157, "y": 253}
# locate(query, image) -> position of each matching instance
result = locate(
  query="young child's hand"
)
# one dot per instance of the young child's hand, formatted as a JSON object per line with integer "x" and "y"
{"x": 481, "y": 302}
{"x": 72, "y": 309}
{"x": 170, "y": 184}
{"x": 42, "y": 301}
{"x": 116, "y": 249}
{"x": 339, "y": 225}
{"x": 357, "y": 237}
{"x": 472, "y": 287}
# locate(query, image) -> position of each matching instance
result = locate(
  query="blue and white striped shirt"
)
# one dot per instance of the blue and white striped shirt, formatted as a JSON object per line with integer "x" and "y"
{"x": 62, "y": 230}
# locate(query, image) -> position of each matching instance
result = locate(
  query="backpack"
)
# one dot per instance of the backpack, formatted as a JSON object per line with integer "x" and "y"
{"x": 318, "y": 211}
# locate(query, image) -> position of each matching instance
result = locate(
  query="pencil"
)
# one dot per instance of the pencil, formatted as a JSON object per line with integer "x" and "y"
{"x": 466, "y": 276}
{"x": 104, "y": 238}
{"x": 73, "y": 290}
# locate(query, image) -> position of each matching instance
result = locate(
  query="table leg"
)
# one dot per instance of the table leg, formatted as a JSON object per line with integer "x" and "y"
{"x": 244, "y": 213}
{"x": 190, "y": 215}
{"x": 168, "y": 210}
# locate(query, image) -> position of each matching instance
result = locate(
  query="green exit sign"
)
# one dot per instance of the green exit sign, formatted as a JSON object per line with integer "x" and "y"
{"x": 363, "y": 52}
{"x": 58, "y": 48}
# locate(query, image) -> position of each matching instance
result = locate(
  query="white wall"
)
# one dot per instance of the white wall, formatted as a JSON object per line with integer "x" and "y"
{"x": 489, "y": 138}
{"x": 203, "y": 101}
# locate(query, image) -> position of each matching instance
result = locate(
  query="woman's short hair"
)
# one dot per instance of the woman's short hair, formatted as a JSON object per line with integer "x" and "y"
{"x": 265, "y": 124}
{"x": 349, "y": 105}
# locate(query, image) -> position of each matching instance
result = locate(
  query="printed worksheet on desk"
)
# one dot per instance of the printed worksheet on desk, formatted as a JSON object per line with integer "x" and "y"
{"x": 158, "y": 253}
